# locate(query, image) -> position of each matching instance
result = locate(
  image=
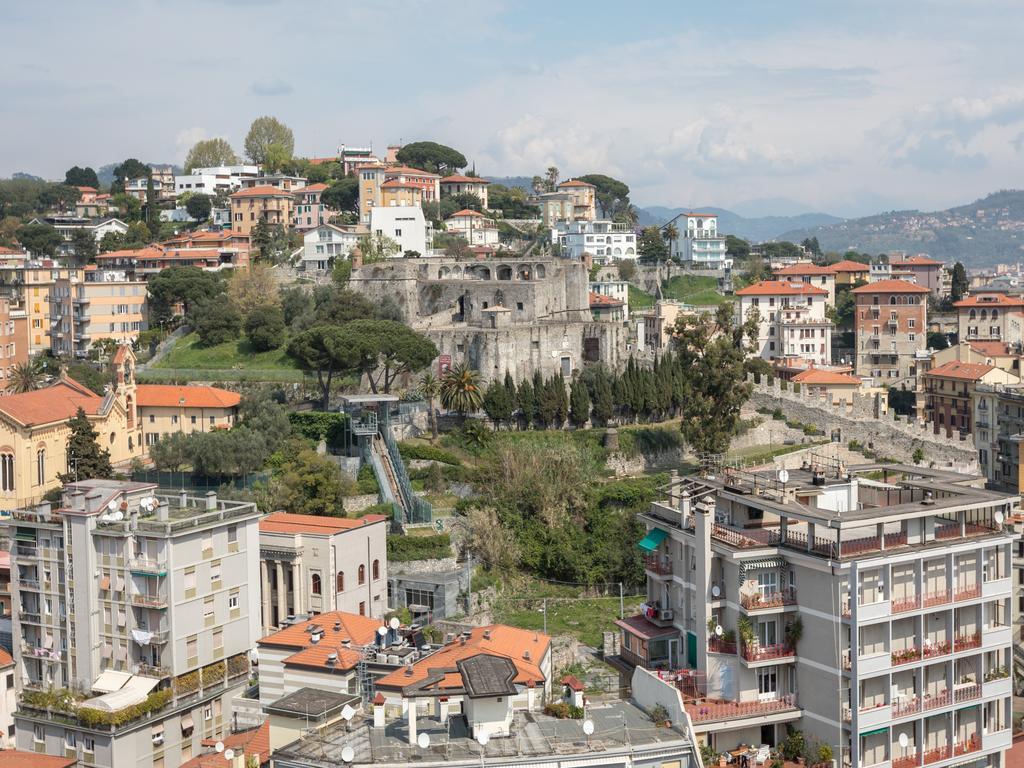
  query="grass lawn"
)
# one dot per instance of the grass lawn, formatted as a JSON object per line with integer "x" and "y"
{"x": 639, "y": 299}
{"x": 187, "y": 353}
{"x": 586, "y": 618}
{"x": 694, "y": 289}
{"x": 765, "y": 453}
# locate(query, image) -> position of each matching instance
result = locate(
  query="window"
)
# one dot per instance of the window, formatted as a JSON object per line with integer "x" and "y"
{"x": 41, "y": 466}
{"x": 215, "y": 572}
{"x": 207, "y": 713}
{"x": 376, "y": 569}
{"x": 362, "y": 574}
{"x": 339, "y": 582}
{"x": 315, "y": 579}
{"x": 152, "y": 418}
{"x": 233, "y": 601}
{"x": 232, "y": 538}
{"x": 192, "y": 650}
{"x": 208, "y": 610}
{"x": 218, "y": 639}
{"x": 362, "y": 609}
{"x": 7, "y": 471}
{"x": 767, "y": 681}
{"x": 190, "y": 582}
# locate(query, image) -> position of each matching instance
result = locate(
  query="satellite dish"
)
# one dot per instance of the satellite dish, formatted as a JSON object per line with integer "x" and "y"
{"x": 112, "y": 505}
{"x": 783, "y": 476}
{"x": 423, "y": 740}
{"x": 588, "y": 727}
{"x": 483, "y": 738}
{"x": 382, "y": 631}
{"x": 117, "y": 516}
{"x": 348, "y": 712}
{"x": 394, "y": 623}
{"x": 999, "y": 518}
{"x": 904, "y": 741}
{"x": 716, "y": 591}
{"x": 348, "y": 754}
{"x": 219, "y": 746}
{"x": 718, "y": 630}
{"x": 229, "y": 754}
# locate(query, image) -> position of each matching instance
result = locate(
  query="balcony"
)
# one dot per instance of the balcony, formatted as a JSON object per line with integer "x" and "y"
{"x": 658, "y": 565}
{"x": 938, "y": 701}
{"x": 717, "y": 645}
{"x": 937, "y": 754}
{"x": 768, "y": 600}
{"x": 762, "y": 653}
{"x": 149, "y": 600}
{"x": 904, "y": 604}
{"x": 906, "y": 706}
{"x": 967, "y": 592}
{"x": 22, "y": 552}
{"x": 937, "y": 597}
{"x": 708, "y": 711}
{"x": 967, "y": 641}
{"x": 148, "y": 670}
{"x": 967, "y": 692}
{"x": 746, "y": 538}
{"x": 145, "y": 567}
{"x": 936, "y": 648}
{"x": 907, "y": 761}
{"x": 905, "y": 656}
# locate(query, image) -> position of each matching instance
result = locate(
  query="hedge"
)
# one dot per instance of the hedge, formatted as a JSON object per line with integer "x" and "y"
{"x": 427, "y": 453}
{"x": 314, "y": 424}
{"x": 91, "y": 718}
{"x": 406, "y": 548}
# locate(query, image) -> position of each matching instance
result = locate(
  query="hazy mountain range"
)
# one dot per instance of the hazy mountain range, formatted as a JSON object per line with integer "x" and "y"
{"x": 756, "y": 229}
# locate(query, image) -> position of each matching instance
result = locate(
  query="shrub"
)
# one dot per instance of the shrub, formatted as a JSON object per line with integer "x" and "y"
{"x": 366, "y": 481}
{"x": 406, "y": 548}
{"x": 264, "y": 327}
{"x": 659, "y": 714}
{"x": 314, "y": 424}
{"x": 91, "y": 718}
{"x": 794, "y": 746}
{"x": 411, "y": 451}
{"x": 215, "y": 321}
{"x": 213, "y": 673}
{"x": 558, "y": 709}
{"x": 778, "y": 415}
{"x": 708, "y": 755}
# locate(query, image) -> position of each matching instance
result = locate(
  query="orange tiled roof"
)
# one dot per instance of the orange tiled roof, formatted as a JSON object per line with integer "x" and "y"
{"x": 781, "y": 288}
{"x": 396, "y": 184}
{"x": 6, "y": 660}
{"x": 252, "y": 742}
{"x": 358, "y": 630}
{"x": 990, "y": 300}
{"x": 405, "y": 170}
{"x": 804, "y": 269}
{"x": 818, "y": 376}
{"x": 891, "y": 286}
{"x": 460, "y": 179}
{"x": 574, "y": 183}
{"x": 315, "y": 657}
{"x": 510, "y": 642}
{"x": 990, "y": 348}
{"x": 919, "y": 260}
{"x": 466, "y": 212}
{"x": 287, "y": 522}
{"x": 956, "y": 369}
{"x": 57, "y": 402}
{"x": 846, "y": 265}
{"x": 600, "y": 300}
{"x": 150, "y": 251}
{"x": 191, "y": 396}
{"x": 263, "y": 191}
{"x": 321, "y": 160}
{"x": 19, "y": 758}
{"x": 318, "y": 187}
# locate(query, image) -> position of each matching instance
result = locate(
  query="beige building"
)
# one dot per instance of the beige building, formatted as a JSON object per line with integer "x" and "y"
{"x": 584, "y": 198}
{"x": 313, "y": 564}
{"x": 252, "y": 205}
{"x": 396, "y": 193}
{"x": 812, "y": 274}
{"x": 835, "y": 385}
{"x": 660, "y": 321}
{"x": 990, "y": 317}
{"x": 8, "y": 699}
{"x": 468, "y": 185}
{"x": 167, "y": 408}
{"x": 91, "y": 305}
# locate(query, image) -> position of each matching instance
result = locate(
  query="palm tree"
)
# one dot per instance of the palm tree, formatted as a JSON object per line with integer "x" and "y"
{"x": 460, "y": 390}
{"x": 25, "y": 377}
{"x": 430, "y": 387}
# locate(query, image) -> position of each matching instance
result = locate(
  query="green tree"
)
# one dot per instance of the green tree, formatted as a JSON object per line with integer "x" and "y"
{"x": 736, "y": 248}
{"x": 129, "y": 209}
{"x": 86, "y": 460}
{"x": 209, "y": 153}
{"x": 323, "y": 350}
{"x": 264, "y": 327}
{"x": 342, "y": 195}
{"x": 111, "y": 241}
{"x": 264, "y": 133}
{"x": 497, "y": 403}
{"x": 511, "y": 201}
{"x": 25, "y": 377}
{"x": 599, "y": 386}
{"x": 271, "y": 240}
{"x": 460, "y": 390}
{"x": 215, "y": 322}
{"x": 83, "y": 245}
{"x": 129, "y": 169}
{"x": 579, "y": 403}
{"x": 377, "y": 248}
{"x": 526, "y": 400}
{"x": 186, "y": 285}
{"x": 81, "y": 177}
{"x": 295, "y": 302}
{"x": 612, "y": 195}
{"x": 430, "y": 388}
{"x": 199, "y": 207}
{"x": 959, "y": 282}
{"x": 172, "y": 452}
{"x": 431, "y": 156}
{"x": 812, "y": 245}
{"x": 842, "y": 315}
{"x": 651, "y": 246}
{"x": 387, "y": 349}
{"x": 40, "y": 239}
{"x": 309, "y": 484}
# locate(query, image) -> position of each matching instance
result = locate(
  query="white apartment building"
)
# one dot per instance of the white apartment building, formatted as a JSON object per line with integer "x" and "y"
{"x": 791, "y": 320}
{"x": 699, "y": 245}
{"x": 312, "y": 564}
{"x": 125, "y": 598}
{"x": 868, "y": 607}
{"x": 220, "y": 178}
{"x": 405, "y": 224}
{"x": 614, "y": 289}
{"x": 474, "y": 227}
{"x": 604, "y": 240}
{"x": 323, "y": 245}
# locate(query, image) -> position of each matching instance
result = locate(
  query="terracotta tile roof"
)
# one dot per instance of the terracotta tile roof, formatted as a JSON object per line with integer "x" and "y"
{"x": 318, "y": 187}
{"x": 315, "y": 657}
{"x": 264, "y": 191}
{"x": 818, "y": 376}
{"x": 642, "y": 628}
{"x": 396, "y": 184}
{"x": 286, "y": 522}
{"x": 18, "y": 758}
{"x": 150, "y": 251}
{"x": 956, "y": 369}
{"x": 405, "y": 170}
{"x": 574, "y": 183}
{"x": 359, "y": 630}
{"x": 252, "y": 742}
{"x": 781, "y": 288}
{"x": 6, "y": 660}
{"x": 5, "y": 251}
{"x": 190, "y": 396}
{"x": 600, "y": 300}
{"x": 846, "y": 265}
{"x": 87, "y": 189}
{"x": 321, "y": 160}
{"x": 459, "y": 179}
{"x": 466, "y": 212}
{"x": 990, "y": 348}
{"x": 919, "y": 260}
{"x": 58, "y": 402}
{"x": 990, "y": 300}
{"x": 572, "y": 681}
{"x": 891, "y": 286}
{"x": 503, "y": 640}
{"x": 804, "y": 269}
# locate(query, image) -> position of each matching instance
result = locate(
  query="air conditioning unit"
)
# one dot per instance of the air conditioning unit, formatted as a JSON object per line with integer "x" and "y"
{"x": 158, "y": 739}
{"x": 664, "y": 615}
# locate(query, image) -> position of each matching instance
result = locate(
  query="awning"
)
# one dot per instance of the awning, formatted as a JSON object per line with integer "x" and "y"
{"x": 141, "y": 685}
{"x": 117, "y": 700}
{"x": 105, "y": 582}
{"x": 26, "y": 534}
{"x": 48, "y": 642}
{"x": 875, "y": 732}
{"x": 121, "y": 654}
{"x": 186, "y": 723}
{"x": 110, "y": 680}
{"x": 762, "y": 564}
{"x": 107, "y": 650}
{"x": 653, "y": 538}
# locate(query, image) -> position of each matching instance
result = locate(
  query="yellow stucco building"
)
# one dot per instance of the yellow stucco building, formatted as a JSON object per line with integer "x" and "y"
{"x": 167, "y": 408}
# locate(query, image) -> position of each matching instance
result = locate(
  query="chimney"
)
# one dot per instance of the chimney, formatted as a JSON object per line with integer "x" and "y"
{"x": 462, "y": 639}
{"x": 684, "y": 509}
{"x": 163, "y": 511}
{"x": 487, "y": 634}
{"x": 183, "y": 498}
{"x": 526, "y": 655}
{"x": 76, "y": 501}
{"x": 337, "y": 626}
{"x": 408, "y": 671}
{"x": 211, "y": 501}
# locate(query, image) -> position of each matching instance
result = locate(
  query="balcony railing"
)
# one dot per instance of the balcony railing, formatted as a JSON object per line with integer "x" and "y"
{"x": 965, "y": 642}
{"x": 658, "y": 564}
{"x": 937, "y": 754}
{"x": 759, "y": 600}
{"x": 29, "y": 553}
{"x": 727, "y": 710}
{"x": 149, "y": 600}
{"x": 937, "y": 701}
{"x": 908, "y": 706}
{"x": 747, "y": 538}
{"x": 147, "y": 566}
{"x": 766, "y": 652}
{"x": 149, "y": 670}
{"x": 907, "y": 761}
{"x": 905, "y": 656}
{"x": 967, "y": 592}
{"x": 936, "y": 597}
{"x": 902, "y": 604}
{"x": 717, "y": 645}
{"x": 968, "y": 693}
{"x": 973, "y": 744}
{"x": 936, "y": 648}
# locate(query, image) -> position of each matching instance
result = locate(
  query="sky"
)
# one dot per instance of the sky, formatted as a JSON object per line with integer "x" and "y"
{"x": 761, "y": 107}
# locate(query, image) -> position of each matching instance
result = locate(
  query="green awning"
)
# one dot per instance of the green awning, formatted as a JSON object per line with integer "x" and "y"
{"x": 874, "y": 732}
{"x": 653, "y": 538}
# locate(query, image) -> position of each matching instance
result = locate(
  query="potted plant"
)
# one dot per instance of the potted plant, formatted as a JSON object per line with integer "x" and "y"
{"x": 659, "y": 715}
{"x": 746, "y": 632}
{"x": 794, "y": 631}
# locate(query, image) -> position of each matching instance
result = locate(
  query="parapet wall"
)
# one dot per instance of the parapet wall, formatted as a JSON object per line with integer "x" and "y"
{"x": 865, "y": 420}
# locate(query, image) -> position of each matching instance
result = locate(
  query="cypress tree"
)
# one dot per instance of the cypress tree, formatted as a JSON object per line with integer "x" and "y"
{"x": 86, "y": 460}
{"x": 497, "y": 404}
{"x": 601, "y": 396}
{"x": 579, "y": 403}
{"x": 526, "y": 399}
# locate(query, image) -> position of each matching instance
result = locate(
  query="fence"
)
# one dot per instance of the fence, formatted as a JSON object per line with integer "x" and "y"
{"x": 189, "y": 481}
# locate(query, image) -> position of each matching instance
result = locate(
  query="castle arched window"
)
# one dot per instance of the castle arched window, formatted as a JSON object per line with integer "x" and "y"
{"x": 317, "y": 587}
{"x": 339, "y": 582}
{"x": 973, "y": 315}
{"x": 376, "y": 569}
{"x": 362, "y": 574}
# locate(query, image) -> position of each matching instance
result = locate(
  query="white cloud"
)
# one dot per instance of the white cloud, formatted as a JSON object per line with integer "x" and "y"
{"x": 186, "y": 139}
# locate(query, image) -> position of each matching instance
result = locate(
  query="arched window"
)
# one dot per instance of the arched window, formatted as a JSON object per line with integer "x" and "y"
{"x": 376, "y": 569}
{"x": 6, "y": 471}
{"x": 339, "y": 582}
{"x": 995, "y": 314}
{"x": 41, "y": 466}
{"x": 892, "y": 299}
{"x": 362, "y": 574}
{"x": 984, "y": 314}
{"x": 316, "y": 584}
{"x": 973, "y": 314}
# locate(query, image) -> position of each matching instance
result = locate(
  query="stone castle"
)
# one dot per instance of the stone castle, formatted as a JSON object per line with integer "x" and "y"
{"x": 513, "y": 314}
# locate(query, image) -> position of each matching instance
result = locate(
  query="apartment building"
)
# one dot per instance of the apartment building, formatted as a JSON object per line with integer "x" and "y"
{"x": 8, "y": 699}
{"x": 891, "y": 324}
{"x": 868, "y": 607}
{"x": 406, "y": 225}
{"x": 279, "y": 181}
{"x": 605, "y": 241}
{"x": 812, "y": 274}
{"x": 659, "y": 322}
{"x": 616, "y": 290}
{"x": 91, "y": 304}
{"x": 998, "y": 413}
{"x": 791, "y": 320}
{"x": 850, "y": 273}
{"x": 458, "y": 184}
{"x": 323, "y": 245}
{"x": 14, "y": 339}
{"x": 215, "y": 179}
{"x": 309, "y": 211}
{"x": 253, "y": 205}
{"x": 948, "y": 390}
{"x": 165, "y": 409}
{"x": 473, "y": 226}
{"x": 928, "y": 272}
{"x": 429, "y": 183}
{"x": 312, "y": 564}
{"x": 142, "y": 607}
{"x": 698, "y": 244}
{"x": 990, "y": 317}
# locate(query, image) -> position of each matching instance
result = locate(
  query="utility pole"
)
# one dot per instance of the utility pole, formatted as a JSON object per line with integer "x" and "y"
{"x": 545, "y": 615}
{"x": 622, "y": 604}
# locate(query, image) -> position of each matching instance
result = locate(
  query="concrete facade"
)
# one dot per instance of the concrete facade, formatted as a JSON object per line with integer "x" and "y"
{"x": 891, "y": 322}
